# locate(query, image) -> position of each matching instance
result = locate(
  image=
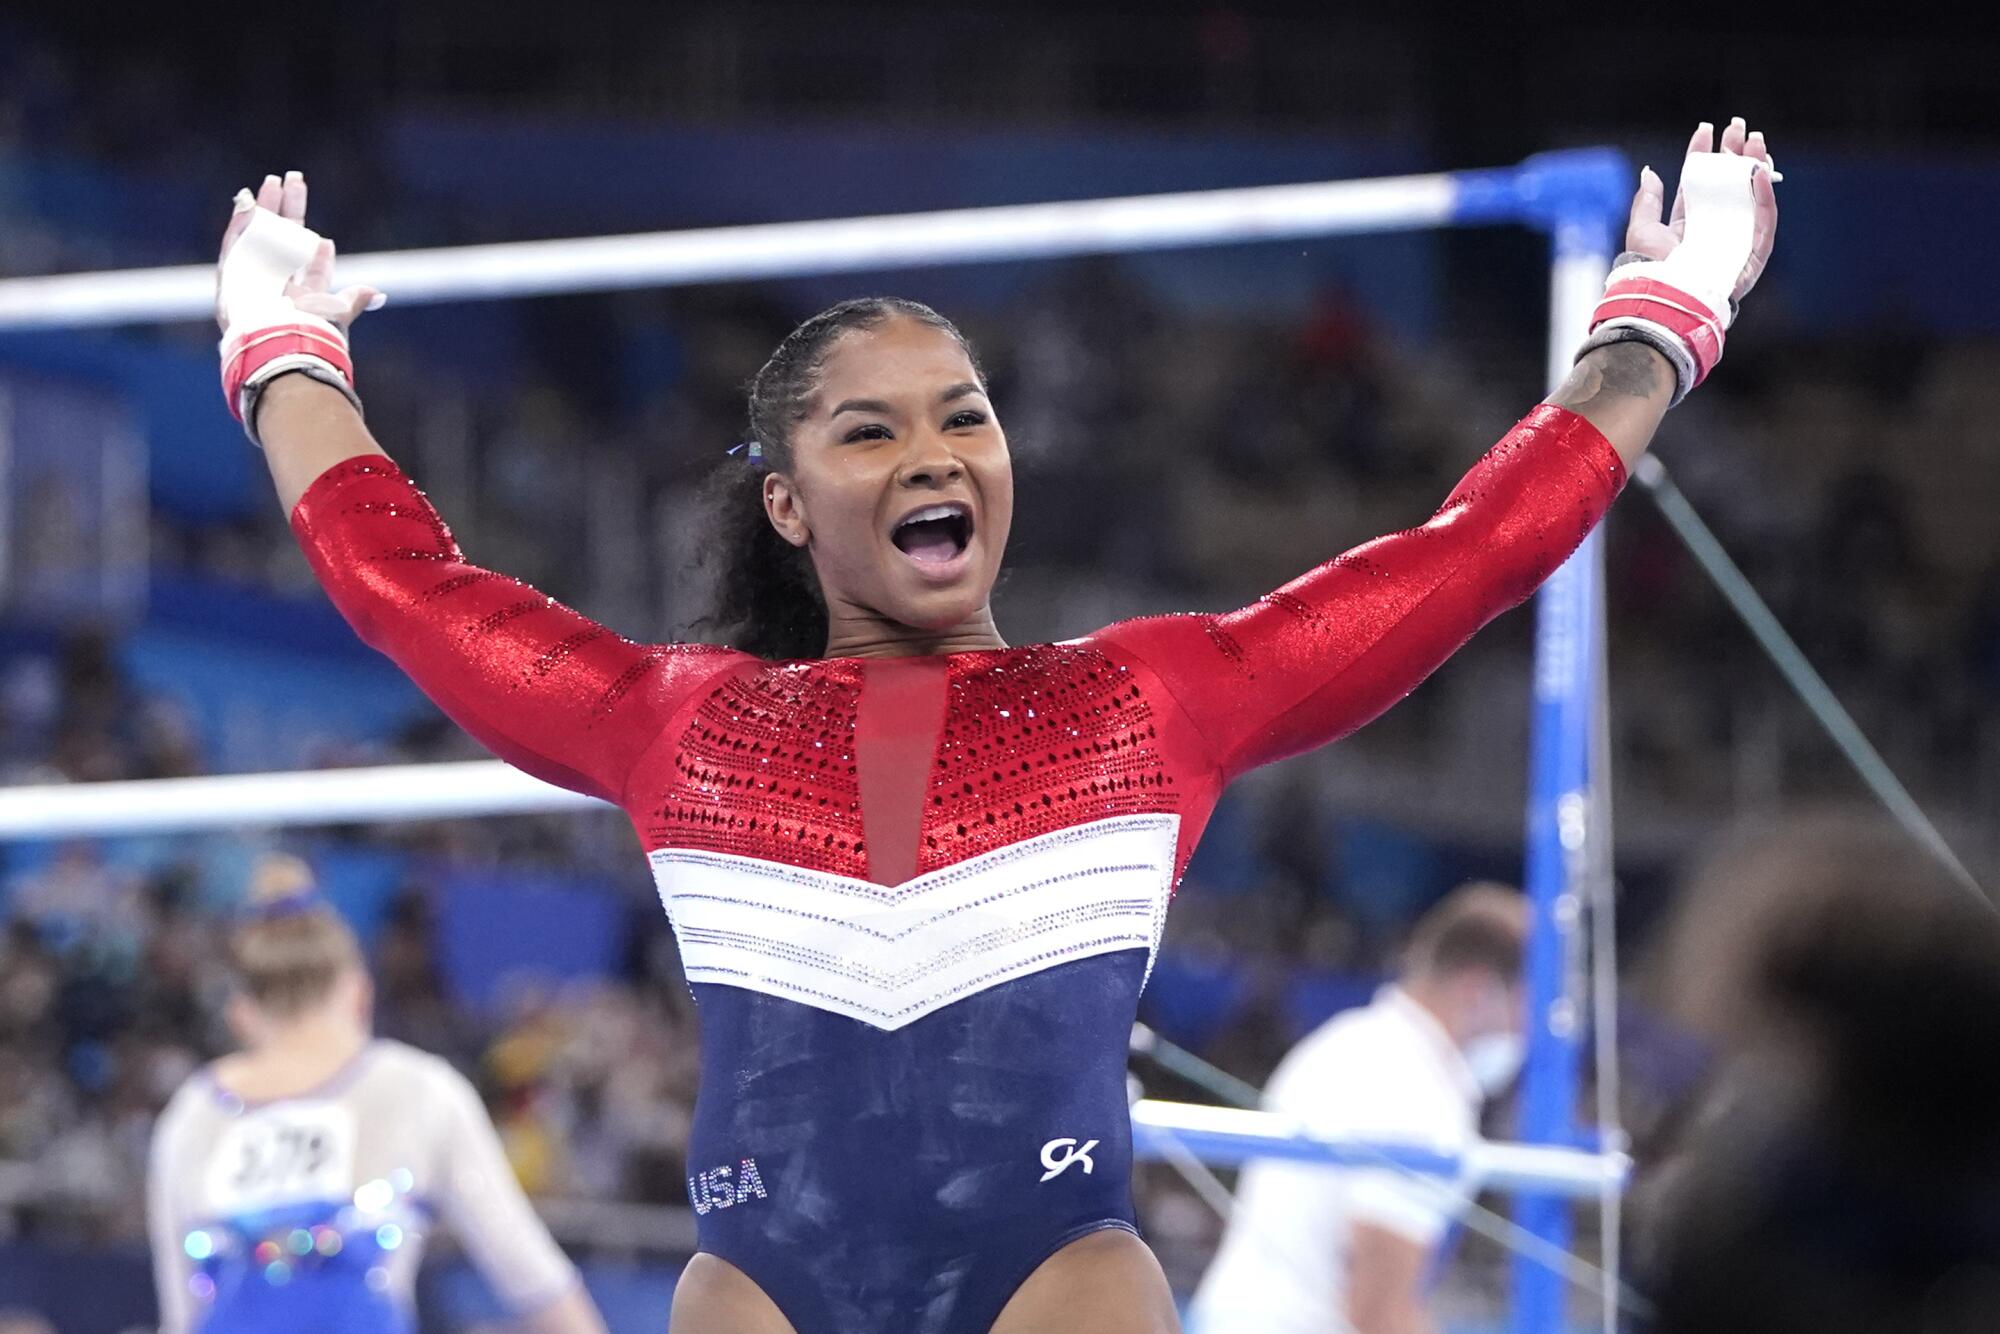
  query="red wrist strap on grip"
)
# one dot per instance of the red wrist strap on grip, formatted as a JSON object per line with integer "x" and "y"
{"x": 1699, "y": 329}
{"x": 244, "y": 357}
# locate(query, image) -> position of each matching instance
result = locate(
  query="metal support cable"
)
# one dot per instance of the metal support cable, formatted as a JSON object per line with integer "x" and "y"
{"x": 1797, "y": 670}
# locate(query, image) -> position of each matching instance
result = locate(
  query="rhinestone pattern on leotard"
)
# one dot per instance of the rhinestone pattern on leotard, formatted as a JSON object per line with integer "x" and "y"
{"x": 766, "y": 769}
{"x": 1034, "y": 740}
{"x": 1039, "y": 739}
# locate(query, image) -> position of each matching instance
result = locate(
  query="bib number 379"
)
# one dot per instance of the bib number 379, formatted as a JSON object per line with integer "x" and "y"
{"x": 285, "y": 1155}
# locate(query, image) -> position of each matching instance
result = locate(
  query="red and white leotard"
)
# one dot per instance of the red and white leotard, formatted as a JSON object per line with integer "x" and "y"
{"x": 917, "y": 898}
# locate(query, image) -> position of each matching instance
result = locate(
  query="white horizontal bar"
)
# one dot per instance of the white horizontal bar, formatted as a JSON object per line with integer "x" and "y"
{"x": 1546, "y": 1167}
{"x": 775, "y": 250}
{"x": 1226, "y": 1136}
{"x": 312, "y": 797}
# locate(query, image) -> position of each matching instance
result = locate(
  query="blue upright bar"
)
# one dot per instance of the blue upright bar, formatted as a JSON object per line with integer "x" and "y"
{"x": 1579, "y": 198}
{"x": 1559, "y": 792}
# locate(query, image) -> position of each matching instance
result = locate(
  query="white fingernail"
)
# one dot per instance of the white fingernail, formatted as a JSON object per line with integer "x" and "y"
{"x": 379, "y": 300}
{"x": 244, "y": 202}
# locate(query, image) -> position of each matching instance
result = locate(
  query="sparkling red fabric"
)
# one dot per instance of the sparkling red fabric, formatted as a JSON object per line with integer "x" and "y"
{"x": 711, "y": 749}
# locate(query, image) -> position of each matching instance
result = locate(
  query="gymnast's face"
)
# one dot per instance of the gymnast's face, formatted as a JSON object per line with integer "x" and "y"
{"x": 900, "y": 486}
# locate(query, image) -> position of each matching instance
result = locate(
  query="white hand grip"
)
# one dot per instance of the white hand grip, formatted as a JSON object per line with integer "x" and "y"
{"x": 256, "y": 269}
{"x": 1721, "y": 227}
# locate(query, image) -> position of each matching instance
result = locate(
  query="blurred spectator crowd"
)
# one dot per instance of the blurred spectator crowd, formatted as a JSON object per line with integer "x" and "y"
{"x": 113, "y": 980}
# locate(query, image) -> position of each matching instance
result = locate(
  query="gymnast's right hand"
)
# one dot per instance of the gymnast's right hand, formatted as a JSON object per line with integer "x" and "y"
{"x": 275, "y": 302}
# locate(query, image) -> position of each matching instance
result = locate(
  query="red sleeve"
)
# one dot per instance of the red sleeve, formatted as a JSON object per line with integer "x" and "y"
{"x": 1331, "y": 650}
{"x": 545, "y": 689}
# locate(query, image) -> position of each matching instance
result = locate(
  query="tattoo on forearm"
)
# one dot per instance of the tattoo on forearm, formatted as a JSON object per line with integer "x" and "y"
{"x": 1617, "y": 370}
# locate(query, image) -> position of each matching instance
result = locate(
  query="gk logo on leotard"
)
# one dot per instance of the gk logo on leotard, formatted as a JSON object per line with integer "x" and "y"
{"x": 1069, "y": 1154}
{"x": 726, "y": 1187}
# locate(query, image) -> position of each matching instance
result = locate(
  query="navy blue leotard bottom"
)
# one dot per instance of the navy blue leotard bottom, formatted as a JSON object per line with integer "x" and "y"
{"x": 908, "y": 1181}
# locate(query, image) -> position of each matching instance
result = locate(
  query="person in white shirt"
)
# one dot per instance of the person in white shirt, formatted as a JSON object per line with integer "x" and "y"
{"x": 1322, "y": 1250}
{"x": 292, "y": 1185}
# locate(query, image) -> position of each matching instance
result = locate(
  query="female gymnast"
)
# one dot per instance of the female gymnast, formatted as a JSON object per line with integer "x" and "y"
{"x": 916, "y": 875}
{"x": 293, "y": 1183}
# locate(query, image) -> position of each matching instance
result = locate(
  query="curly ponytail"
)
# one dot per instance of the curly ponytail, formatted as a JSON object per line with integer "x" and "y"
{"x": 766, "y": 598}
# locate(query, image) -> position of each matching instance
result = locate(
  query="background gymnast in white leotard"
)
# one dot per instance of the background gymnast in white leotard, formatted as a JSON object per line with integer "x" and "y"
{"x": 293, "y": 1184}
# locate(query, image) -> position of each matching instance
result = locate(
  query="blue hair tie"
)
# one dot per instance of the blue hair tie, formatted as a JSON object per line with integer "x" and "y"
{"x": 279, "y": 909}
{"x": 752, "y": 452}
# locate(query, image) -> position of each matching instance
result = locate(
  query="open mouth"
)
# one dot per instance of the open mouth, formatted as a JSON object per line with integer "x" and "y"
{"x": 935, "y": 534}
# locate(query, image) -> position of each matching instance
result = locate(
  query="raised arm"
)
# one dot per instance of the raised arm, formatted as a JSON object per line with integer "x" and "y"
{"x": 546, "y": 689}
{"x": 1331, "y": 650}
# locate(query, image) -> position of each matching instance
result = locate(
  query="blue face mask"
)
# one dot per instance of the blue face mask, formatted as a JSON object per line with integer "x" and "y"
{"x": 1495, "y": 1058}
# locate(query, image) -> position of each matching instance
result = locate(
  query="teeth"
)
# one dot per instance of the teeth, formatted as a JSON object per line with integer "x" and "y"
{"x": 930, "y": 512}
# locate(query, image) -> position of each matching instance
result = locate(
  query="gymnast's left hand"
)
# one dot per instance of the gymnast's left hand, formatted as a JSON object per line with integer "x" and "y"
{"x": 1679, "y": 294}
{"x": 1647, "y": 235}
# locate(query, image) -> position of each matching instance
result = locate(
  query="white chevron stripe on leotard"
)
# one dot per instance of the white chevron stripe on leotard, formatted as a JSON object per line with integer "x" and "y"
{"x": 888, "y": 956}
